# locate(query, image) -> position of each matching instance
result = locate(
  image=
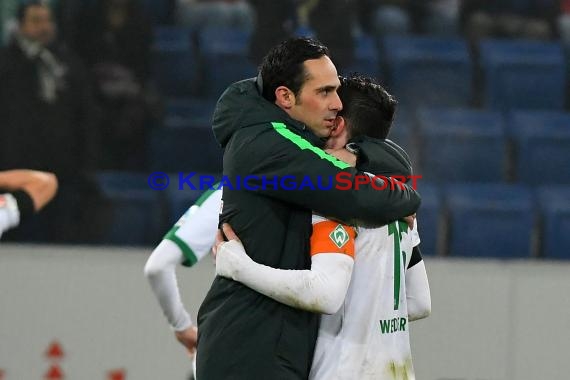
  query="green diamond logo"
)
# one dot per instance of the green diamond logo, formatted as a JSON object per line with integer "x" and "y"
{"x": 339, "y": 236}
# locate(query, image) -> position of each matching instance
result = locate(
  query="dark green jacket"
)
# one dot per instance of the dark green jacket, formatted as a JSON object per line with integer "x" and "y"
{"x": 243, "y": 334}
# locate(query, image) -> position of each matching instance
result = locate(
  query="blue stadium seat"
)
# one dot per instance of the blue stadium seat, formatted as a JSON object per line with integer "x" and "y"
{"x": 523, "y": 74}
{"x": 174, "y": 63}
{"x": 224, "y": 52}
{"x": 366, "y": 60}
{"x": 429, "y": 218}
{"x": 542, "y": 145}
{"x": 192, "y": 111}
{"x": 461, "y": 145}
{"x": 490, "y": 220}
{"x": 137, "y": 217}
{"x": 182, "y": 147}
{"x": 554, "y": 204}
{"x": 428, "y": 70}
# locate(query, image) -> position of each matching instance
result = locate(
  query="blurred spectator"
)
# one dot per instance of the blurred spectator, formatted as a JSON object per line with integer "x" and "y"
{"x": 386, "y": 17}
{"x": 333, "y": 23}
{"x": 8, "y": 22}
{"x": 114, "y": 38}
{"x": 7, "y": 19}
{"x": 274, "y": 22}
{"x": 198, "y": 14}
{"x": 397, "y": 17}
{"x": 532, "y": 19}
{"x": 441, "y": 17}
{"x": 46, "y": 119}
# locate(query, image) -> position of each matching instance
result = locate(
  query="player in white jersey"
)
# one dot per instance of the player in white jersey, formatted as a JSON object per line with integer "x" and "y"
{"x": 23, "y": 192}
{"x": 368, "y": 338}
{"x": 186, "y": 243}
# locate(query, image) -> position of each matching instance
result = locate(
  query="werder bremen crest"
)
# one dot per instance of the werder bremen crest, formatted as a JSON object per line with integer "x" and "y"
{"x": 339, "y": 236}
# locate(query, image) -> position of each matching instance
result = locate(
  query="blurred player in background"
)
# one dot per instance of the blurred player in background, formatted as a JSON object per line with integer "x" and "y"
{"x": 22, "y": 193}
{"x": 185, "y": 244}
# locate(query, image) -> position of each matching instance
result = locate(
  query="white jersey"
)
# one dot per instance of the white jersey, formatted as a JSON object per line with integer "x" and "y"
{"x": 368, "y": 338}
{"x": 195, "y": 236}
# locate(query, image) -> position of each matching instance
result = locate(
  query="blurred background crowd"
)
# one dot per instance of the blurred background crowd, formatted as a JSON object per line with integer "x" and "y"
{"x": 104, "y": 92}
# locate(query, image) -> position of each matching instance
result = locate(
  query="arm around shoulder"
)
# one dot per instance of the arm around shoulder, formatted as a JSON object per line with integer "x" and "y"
{"x": 293, "y": 170}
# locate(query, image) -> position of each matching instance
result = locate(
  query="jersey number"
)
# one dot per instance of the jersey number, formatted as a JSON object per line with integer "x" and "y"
{"x": 396, "y": 229}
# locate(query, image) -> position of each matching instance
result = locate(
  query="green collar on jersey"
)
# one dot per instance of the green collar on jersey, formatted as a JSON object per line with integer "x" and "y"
{"x": 207, "y": 193}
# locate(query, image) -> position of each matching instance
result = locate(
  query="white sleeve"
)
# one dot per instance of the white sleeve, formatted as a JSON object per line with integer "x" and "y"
{"x": 186, "y": 243}
{"x": 195, "y": 232}
{"x": 418, "y": 294}
{"x": 321, "y": 289}
{"x": 9, "y": 212}
{"x": 415, "y": 234}
{"x": 160, "y": 271}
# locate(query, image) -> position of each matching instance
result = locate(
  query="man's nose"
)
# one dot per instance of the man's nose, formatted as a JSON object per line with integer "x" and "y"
{"x": 336, "y": 104}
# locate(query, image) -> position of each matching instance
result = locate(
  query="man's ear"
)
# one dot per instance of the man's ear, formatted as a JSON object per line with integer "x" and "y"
{"x": 284, "y": 97}
{"x": 339, "y": 127}
{"x": 338, "y": 134}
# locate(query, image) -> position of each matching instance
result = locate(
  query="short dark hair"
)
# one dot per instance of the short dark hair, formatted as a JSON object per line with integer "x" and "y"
{"x": 368, "y": 108}
{"x": 25, "y": 5}
{"x": 283, "y": 65}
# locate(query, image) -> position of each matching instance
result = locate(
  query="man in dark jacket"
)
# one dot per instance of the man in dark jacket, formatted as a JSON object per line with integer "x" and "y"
{"x": 46, "y": 121}
{"x": 243, "y": 334}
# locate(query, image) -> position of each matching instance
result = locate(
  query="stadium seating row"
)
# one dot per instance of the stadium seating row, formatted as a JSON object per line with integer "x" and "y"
{"x": 186, "y": 63}
{"x": 141, "y": 213}
{"x": 532, "y": 147}
{"x": 419, "y": 70}
{"x": 467, "y": 219}
{"x": 446, "y": 144}
{"x": 495, "y": 220}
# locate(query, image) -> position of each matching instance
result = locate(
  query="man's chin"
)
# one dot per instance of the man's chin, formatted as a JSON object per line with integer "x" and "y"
{"x": 325, "y": 136}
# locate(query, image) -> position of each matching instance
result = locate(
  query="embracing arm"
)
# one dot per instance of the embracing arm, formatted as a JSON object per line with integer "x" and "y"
{"x": 321, "y": 289}
{"x": 277, "y": 153}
